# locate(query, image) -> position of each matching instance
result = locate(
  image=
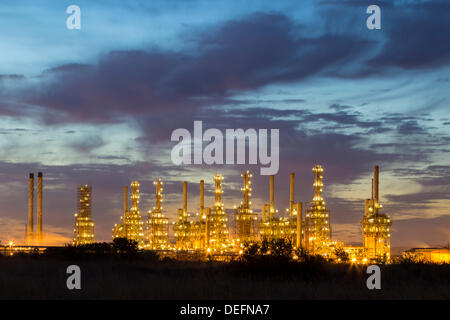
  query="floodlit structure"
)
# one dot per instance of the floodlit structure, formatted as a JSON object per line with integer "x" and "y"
{"x": 271, "y": 227}
{"x": 157, "y": 222}
{"x": 84, "y": 226}
{"x": 430, "y": 255}
{"x": 30, "y": 225}
{"x": 31, "y": 237}
{"x": 376, "y": 226}
{"x": 39, "y": 209}
{"x": 208, "y": 231}
{"x": 216, "y": 220}
{"x": 245, "y": 219}
{"x": 132, "y": 226}
{"x": 317, "y": 219}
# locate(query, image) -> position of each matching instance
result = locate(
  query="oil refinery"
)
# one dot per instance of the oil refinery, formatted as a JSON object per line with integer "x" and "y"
{"x": 215, "y": 233}
{"x": 212, "y": 231}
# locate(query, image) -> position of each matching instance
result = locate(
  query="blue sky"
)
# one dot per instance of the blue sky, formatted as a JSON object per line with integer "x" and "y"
{"x": 97, "y": 105}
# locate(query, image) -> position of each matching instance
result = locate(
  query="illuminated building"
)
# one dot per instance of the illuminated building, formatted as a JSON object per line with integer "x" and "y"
{"x": 132, "y": 226}
{"x": 376, "y": 226}
{"x": 317, "y": 219}
{"x": 84, "y": 226}
{"x": 217, "y": 221}
{"x": 433, "y": 255}
{"x": 245, "y": 219}
{"x": 157, "y": 223}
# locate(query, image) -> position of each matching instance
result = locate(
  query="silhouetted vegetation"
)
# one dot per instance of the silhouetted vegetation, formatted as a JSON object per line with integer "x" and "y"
{"x": 119, "y": 248}
{"x": 265, "y": 270}
{"x": 279, "y": 251}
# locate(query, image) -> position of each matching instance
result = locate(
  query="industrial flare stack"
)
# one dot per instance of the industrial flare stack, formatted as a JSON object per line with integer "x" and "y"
{"x": 157, "y": 222}
{"x": 182, "y": 228}
{"x": 376, "y": 226}
{"x": 245, "y": 219}
{"x": 31, "y": 237}
{"x": 132, "y": 226}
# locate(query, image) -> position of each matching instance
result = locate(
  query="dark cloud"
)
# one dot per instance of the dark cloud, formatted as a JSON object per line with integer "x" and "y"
{"x": 416, "y": 35}
{"x": 236, "y": 56}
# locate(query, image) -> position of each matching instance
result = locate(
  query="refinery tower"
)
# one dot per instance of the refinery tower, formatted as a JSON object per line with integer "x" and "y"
{"x": 376, "y": 226}
{"x": 84, "y": 226}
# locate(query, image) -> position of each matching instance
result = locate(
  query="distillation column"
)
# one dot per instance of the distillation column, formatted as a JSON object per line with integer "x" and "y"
{"x": 245, "y": 219}
{"x": 157, "y": 222}
{"x": 182, "y": 227}
{"x": 318, "y": 230}
{"x": 376, "y": 226}
{"x": 217, "y": 220}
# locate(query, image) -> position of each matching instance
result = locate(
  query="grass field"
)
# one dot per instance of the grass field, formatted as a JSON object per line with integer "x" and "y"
{"x": 29, "y": 277}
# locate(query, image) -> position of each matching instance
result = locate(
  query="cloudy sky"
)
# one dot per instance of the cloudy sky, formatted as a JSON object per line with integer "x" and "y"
{"x": 98, "y": 105}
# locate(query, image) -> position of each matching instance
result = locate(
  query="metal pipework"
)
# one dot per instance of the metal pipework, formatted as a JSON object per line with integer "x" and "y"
{"x": 185, "y": 196}
{"x": 30, "y": 225}
{"x": 291, "y": 194}
{"x": 39, "y": 206}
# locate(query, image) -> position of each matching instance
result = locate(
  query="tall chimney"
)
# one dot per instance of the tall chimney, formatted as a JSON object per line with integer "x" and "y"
{"x": 291, "y": 194}
{"x": 375, "y": 183}
{"x": 30, "y": 207}
{"x": 125, "y": 200}
{"x": 39, "y": 207}
{"x": 185, "y": 197}
{"x": 202, "y": 196}
{"x": 299, "y": 224}
{"x": 272, "y": 209}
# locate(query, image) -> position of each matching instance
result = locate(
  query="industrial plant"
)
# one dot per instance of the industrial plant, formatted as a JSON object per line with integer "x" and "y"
{"x": 213, "y": 232}
{"x": 84, "y": 226}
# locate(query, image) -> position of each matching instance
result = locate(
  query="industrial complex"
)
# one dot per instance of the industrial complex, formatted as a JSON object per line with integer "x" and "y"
{"x": 213, "y": 232}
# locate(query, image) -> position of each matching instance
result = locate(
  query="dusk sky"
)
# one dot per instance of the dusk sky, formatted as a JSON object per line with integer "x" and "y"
{"x": 98, "y": 106}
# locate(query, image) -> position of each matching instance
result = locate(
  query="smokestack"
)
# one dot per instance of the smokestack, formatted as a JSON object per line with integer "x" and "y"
{"x": 272, "y": 210}
{"x": 39, "y": 207}
{"x": 299, "y": 224}
{"x": 30, "y": 206}
{"x": 375, "y": 183}
{"x": 202, "y": 196}
{"x": 185, "y": 196}
{"x": 291, "y": 194}
{"x": 125, "y": 200}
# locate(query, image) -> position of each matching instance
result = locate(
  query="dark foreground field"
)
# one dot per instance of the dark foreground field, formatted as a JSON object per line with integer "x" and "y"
{"x": 45, "y": 278}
